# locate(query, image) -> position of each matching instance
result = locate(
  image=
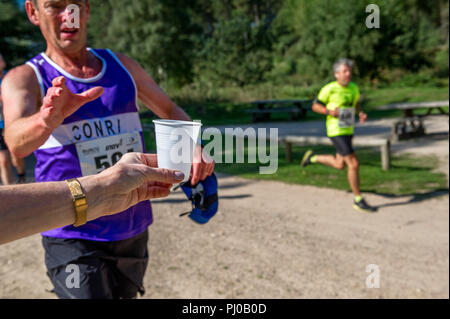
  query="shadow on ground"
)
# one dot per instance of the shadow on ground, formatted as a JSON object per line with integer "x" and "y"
{"x": 411, "y": 198}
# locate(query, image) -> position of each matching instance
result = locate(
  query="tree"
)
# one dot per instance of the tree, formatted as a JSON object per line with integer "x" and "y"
{"x": 157, "y": 33}
{"x": 318, "y": 32}
{"x": 19, "y": 39}
{"x": 236, "y": 48}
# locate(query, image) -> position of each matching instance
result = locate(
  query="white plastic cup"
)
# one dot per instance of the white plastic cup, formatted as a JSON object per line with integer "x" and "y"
{"x": 175, "y": 144}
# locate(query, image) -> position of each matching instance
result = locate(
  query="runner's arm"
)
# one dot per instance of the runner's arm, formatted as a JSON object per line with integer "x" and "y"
{"x": 150, "y": 93}
{"x": 320, "y": 108}
{"x": 25, "y": 130}
{"x": 362, "y": 115}
{"x": 29, "y": 126}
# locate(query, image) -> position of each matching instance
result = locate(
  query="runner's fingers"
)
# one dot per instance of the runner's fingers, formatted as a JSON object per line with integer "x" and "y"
{"x": 46, "y": 110}
{"x": 197, "y": 173}
{"x": 91, "y": 94}
{"x": 205, "y": 172}
{"x": 51, "y": 91}
{"x": 211, "y": 168}
{"x": 209, "y": 164}
{"x": 59, "y": 81}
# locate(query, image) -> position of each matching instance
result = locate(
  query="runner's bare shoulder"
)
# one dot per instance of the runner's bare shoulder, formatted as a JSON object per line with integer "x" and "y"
{"x": 22, "y": 76}
{"x": 21, "y": 86}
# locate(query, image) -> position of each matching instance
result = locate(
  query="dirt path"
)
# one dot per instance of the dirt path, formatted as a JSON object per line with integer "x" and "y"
{"x": 272, "y": 240}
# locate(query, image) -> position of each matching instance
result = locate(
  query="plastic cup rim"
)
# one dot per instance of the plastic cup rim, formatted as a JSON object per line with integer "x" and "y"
{"x": 176, "y": 123}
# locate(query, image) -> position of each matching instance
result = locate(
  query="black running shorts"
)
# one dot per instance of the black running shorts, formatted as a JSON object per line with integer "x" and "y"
{"x": 343, "y": 144}
{"x": 104, "y": 270}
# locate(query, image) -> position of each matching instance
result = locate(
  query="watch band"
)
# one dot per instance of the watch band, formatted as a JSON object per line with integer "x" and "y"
{"x": 79, "y": 201}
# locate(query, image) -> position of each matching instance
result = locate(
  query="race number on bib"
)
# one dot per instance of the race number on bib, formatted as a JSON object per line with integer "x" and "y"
{"x": 97, "y": 155}
{"x": 346, "y": 117}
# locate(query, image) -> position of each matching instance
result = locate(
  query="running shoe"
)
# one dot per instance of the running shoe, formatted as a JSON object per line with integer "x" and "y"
{"x": 363, "y": 207}
{"x": 307, "y": 158}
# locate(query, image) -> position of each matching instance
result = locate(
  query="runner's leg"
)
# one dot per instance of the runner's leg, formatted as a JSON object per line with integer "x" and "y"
{"x": 336, "y": 162}
{"x": 19, "y": 164}
{"x": 131, "y": 266}
{"x": 353, "y": 172}
{"x": 5, "y": 168}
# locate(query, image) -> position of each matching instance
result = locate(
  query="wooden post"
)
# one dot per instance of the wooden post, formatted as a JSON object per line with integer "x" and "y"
{"x": 288, "y": 146}
{"x": 386, "y": 156}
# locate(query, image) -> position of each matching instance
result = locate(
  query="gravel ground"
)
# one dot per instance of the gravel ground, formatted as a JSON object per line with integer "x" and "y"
{"x": 273, "y": 240}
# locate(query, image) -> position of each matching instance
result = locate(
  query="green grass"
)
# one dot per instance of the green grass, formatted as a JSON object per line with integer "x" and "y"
{"x": 408, "y": 175}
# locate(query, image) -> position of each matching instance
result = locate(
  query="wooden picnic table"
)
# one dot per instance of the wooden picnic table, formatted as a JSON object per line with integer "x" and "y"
{"x": 411, "y": 125}
{"x": 383, "y": 143}
{"x": 264, "y": 108}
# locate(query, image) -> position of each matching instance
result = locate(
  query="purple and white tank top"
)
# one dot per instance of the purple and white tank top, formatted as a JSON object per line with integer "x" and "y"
{"x": 92, "y": 139}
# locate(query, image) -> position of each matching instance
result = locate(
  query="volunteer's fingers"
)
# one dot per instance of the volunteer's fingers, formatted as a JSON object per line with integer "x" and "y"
{"x": 157, "y": 192}
{"x": 163, "y": 175}
{"x": 149, "y": 159}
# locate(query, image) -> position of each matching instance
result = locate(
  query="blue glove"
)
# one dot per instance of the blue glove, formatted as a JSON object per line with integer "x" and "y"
{"x": 204, "y": 198}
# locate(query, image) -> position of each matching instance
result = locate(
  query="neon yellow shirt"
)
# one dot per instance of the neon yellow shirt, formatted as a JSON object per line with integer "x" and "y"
{"x": 333, "y": 96}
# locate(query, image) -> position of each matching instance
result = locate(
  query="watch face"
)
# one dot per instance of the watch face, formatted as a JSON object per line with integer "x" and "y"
{"x": 75, "y": 188}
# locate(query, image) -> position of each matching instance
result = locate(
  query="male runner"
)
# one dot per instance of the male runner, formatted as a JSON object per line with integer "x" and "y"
{"x": 76, "y": 109}
{"x": 338, "y": 100}
{"x": 6, "y": 175}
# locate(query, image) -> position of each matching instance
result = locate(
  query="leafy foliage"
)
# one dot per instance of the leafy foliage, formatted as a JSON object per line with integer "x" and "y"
{"x": 19, "y": 39}
{"x": 210, "y": 43}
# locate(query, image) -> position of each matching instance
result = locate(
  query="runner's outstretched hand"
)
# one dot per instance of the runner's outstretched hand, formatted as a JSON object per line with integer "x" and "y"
{"x": 60, "y": 103}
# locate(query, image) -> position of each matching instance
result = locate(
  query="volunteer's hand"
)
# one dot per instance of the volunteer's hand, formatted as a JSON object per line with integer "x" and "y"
{"x": 202, "y": 166}
{"x": 133, "y": 179}
{"x": 60, "y": 103}
{"x": 362, "y": 117}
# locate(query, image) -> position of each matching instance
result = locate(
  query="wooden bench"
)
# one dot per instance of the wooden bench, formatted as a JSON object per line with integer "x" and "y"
{"x": 382, "y": 143}
{"x": 267, "y": 107}
{"x": 411, "y": 125}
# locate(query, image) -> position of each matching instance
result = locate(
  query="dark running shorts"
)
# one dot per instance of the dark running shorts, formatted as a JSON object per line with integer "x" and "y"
{"x": 107, "y": 270}
{"x": 343, "y": 144}
{"x": 2, "y": 141}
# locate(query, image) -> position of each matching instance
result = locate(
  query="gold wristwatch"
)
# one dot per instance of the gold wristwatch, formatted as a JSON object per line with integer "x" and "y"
{"x": 79, "y": 201}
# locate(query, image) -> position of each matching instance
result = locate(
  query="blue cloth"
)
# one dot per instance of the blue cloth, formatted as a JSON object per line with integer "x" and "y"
{"x": 204, "y": 198}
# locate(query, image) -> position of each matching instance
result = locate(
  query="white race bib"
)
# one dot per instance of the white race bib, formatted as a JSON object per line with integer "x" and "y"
{"x": 346, "y": 117}
{"x": 99, "y": 154}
